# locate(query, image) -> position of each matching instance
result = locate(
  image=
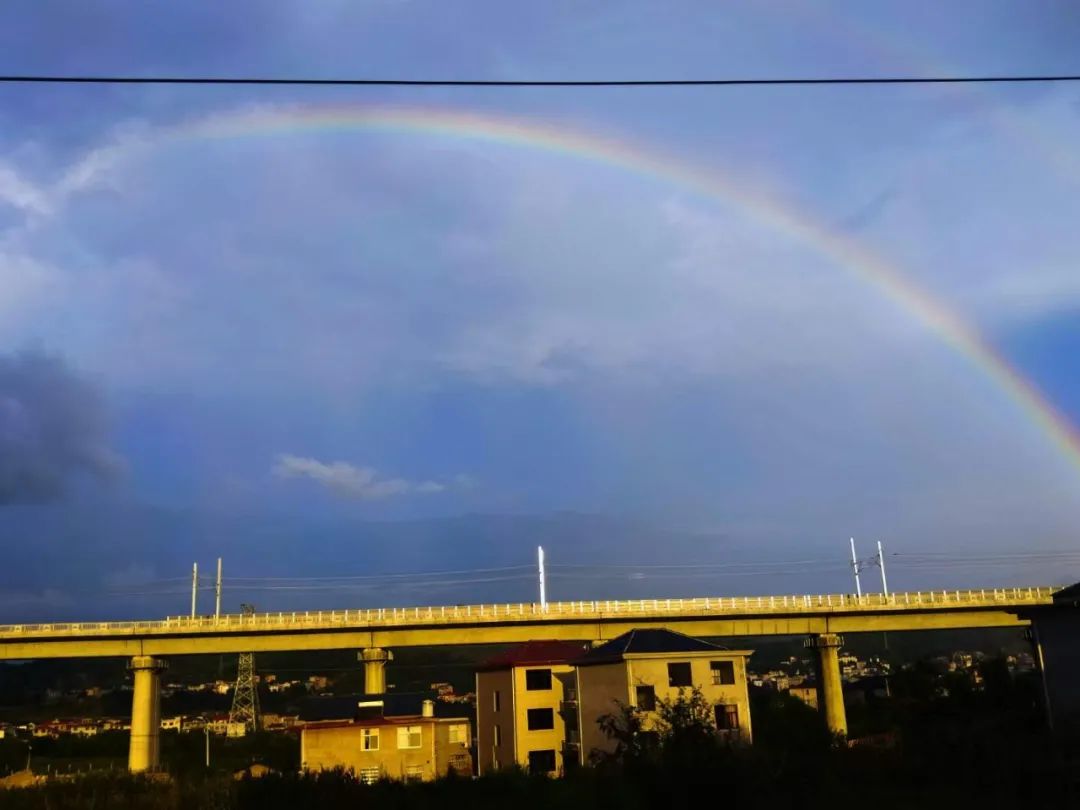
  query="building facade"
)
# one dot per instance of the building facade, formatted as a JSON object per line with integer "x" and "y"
{"x": 807, "y": 693}
{"x": 526, "y": 708}
{"x": 375, "y": 746}
{"x": 643, "y": 667}
{"x": 1054, "y": 632}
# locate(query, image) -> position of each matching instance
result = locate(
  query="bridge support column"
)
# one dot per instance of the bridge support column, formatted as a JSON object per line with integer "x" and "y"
{"x": 144, "y": 753}
{"x": 375, "y": 660}
{"x": 830, "y": 688}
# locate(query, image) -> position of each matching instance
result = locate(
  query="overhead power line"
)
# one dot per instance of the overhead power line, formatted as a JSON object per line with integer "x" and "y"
{"x": 360, "y": 82}
{"x": 410, "y": 576}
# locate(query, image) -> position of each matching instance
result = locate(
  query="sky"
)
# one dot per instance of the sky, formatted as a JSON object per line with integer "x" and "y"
{"x": 661, "y": 306}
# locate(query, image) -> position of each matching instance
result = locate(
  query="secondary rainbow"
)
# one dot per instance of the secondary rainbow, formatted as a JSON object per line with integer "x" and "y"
{"x": 845, "y": 252}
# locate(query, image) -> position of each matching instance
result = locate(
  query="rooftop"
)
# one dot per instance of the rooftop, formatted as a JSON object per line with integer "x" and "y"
{"x": 536, "y": 653}
{"x": 1068, "y": 596}
{"x": 374, "y": 722}
{"x": 395, "y": 704}
{"x": 646, "y": 642}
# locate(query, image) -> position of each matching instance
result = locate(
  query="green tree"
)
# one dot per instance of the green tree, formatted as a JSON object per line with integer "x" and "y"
{"x": 681, "y": 725}
{"x": 685, "y": 720}
{"x": 626, "y": 728}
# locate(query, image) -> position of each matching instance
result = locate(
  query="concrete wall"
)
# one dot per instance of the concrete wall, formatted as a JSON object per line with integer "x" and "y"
{"x": 1058, "y": 633}
{"x": 553, "y": 739}
{"x": 515, "y": 702}
{"x": 325, "y": 748}
{"x": 490, "y": 756}
{"x": 453, "y": 755}
{"x": 807, "y": 694}
{"x": 654, "y": 671}
{"x": 599, "y": 687}
{"x": 602, "y": 685}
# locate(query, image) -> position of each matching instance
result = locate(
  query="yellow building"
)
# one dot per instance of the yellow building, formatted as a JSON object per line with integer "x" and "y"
{"x": 807, "y": 694}
{"x": 642, "y": 667}
{"x": 526, "y": 709}
{"x": 375, "y": 746}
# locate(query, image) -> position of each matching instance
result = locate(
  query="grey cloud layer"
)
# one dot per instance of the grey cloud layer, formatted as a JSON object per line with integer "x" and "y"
{"x": 53, "y": 430}
{"x": 400, "y": 258}
{"x": 343, "y": 266}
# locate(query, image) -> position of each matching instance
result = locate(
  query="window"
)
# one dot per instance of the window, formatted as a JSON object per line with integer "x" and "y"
{"x": 679, "y": 674}
{"x": 542, "y": 761}
{"x": 369, "y": 739}
{"x": 414, "y": 773}
{"x": 723, "y": 672}
{"x": 540, "y": 719}
{"x": 727, "y": 717}
{"x": 369, "y": 776}
{"x": 646, "y": 698}
{"x": 408, "y": 737}
{"x": 459, "y": 733}
{"x": 495, "y": 703}
{"x": 537, "y": 680}
{"x": 497, "y": 736}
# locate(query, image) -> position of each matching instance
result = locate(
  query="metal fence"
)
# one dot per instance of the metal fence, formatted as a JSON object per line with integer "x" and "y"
{"x": 553, "y": 611}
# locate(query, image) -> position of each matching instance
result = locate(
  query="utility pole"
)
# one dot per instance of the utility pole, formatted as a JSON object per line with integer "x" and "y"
{"x": 194, "y": 586}
{"x": 881, "y": 565}
{"x": 855, "y": 568}
{"x": 217, "y": 591}
{"x": 206, "y": 730}
{"x": 543, "y": 584}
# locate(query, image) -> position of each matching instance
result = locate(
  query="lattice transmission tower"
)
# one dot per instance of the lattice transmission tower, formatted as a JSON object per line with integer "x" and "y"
{"x": 245, "y": 704}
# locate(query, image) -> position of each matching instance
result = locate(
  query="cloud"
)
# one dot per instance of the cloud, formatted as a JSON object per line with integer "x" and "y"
{"x": 53, "y": 429}
{"x": 409, "y": 282}
{"x": 21, "y": 194}
{"x": 645, "y": 328}
{"x": 362, "y": 483}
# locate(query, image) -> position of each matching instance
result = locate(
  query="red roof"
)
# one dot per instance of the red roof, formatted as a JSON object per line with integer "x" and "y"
{"x": 534, "y": 653}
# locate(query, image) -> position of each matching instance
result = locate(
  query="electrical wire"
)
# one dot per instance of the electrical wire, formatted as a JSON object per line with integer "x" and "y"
{"x": 448, "y": 580}
{"x": 390, "y": 82}
{"x": 384, "y": 576}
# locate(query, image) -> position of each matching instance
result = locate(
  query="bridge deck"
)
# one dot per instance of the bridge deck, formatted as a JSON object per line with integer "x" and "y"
{"x": 501, "y": 623}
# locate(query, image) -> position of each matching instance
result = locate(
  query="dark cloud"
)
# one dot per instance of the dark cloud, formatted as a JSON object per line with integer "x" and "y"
{"x": 53, "y": 429}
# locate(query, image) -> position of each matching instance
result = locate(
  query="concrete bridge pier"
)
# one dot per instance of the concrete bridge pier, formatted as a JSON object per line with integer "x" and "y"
{"x": 375, "y": 660}
{"x": 830, "y": 688}
{"x": 144, "y": 753}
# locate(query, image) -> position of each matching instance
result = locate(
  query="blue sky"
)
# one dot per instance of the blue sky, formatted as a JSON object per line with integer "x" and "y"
{"x": 353, "y": 326}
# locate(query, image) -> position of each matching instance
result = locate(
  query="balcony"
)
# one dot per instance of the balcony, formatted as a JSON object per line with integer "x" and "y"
{"x": 572, "y": 743}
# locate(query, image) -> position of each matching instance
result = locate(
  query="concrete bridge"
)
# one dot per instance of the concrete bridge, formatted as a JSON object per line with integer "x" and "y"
{"x": 822, "y": 618}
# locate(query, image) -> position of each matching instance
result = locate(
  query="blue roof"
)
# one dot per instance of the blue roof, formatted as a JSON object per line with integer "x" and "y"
{"x": 644, "y": 641}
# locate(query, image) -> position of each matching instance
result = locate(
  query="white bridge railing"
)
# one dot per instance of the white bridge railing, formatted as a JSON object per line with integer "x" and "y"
{"x": 606, "y": 609}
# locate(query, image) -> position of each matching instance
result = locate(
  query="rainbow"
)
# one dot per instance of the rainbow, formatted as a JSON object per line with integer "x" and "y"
{"x": 843, "y": 251}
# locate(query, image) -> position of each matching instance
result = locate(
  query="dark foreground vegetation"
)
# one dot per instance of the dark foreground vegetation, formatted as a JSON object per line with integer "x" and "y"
{"x": 985, "y": 749}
